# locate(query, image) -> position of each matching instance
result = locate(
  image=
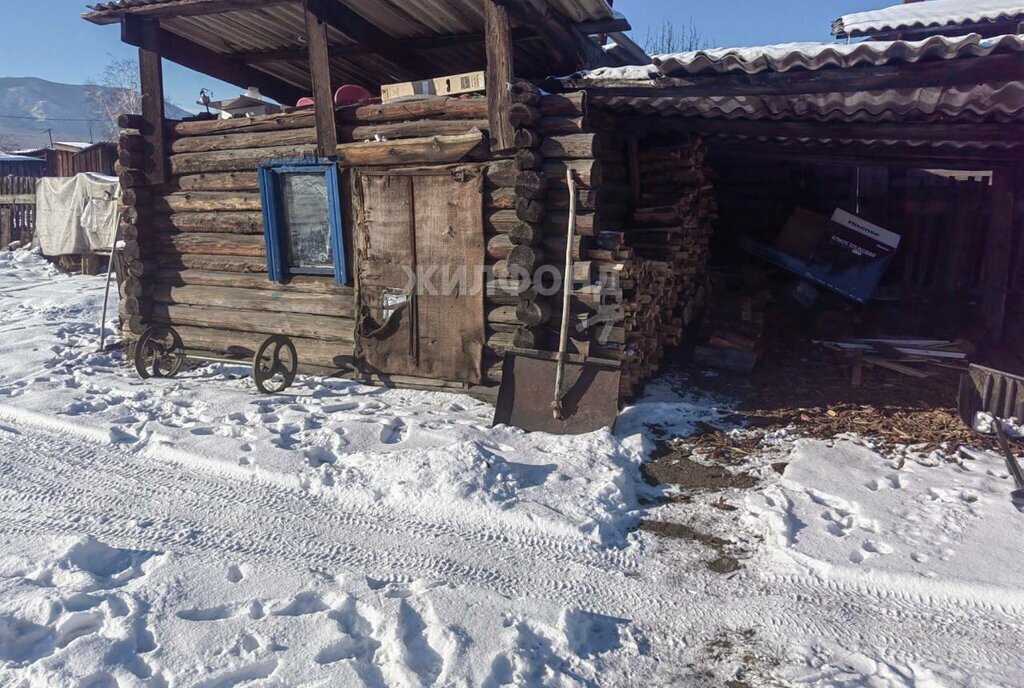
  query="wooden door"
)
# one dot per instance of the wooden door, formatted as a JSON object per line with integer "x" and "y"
{"x": 427, "y": 224}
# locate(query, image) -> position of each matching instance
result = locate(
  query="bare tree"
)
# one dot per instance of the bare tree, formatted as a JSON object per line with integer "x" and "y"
{"x": 671, "y": 38}
{"x": 115, "y": 93}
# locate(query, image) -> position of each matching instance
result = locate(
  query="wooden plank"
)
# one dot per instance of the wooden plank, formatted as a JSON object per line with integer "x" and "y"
{"x": 438, "y": 149}
{"x": 323, "y": 94}
{"x": 257, "y": 321}
{"x": 270, "y": 300}
{"x": 500, "y": 73}
{"x": 18, "y": 199}
{"x": 569, "y": 48}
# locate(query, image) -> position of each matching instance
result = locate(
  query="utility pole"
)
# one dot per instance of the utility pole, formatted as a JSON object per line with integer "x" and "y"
{"x": 50, "y": 133}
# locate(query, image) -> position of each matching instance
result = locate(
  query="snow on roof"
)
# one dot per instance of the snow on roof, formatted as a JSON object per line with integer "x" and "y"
{"x": 14, "y": 157}
{"x": 812, "y": 56}
{"x": 933, "y": 13}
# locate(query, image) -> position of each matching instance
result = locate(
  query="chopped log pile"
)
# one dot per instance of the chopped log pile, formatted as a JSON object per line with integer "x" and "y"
{"x": 658, "y": 258}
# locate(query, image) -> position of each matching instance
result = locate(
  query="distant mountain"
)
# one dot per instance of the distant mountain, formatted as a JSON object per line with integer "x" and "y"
{"x": 29, "y": 106}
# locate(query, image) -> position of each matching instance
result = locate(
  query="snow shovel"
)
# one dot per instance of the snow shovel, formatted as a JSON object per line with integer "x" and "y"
{"x": 1001, "y": 395}
{"x": 559, "y": 393}
{"x": 1011, "y": 463}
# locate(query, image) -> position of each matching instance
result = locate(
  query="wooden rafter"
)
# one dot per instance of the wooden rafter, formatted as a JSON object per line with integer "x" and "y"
{"x": 373, "y": 38}
{"x": 194, "y": 56}
{"x": 179, "y": 8}
{"x": 475, "y": 38}
{"x": 570, "y": 48}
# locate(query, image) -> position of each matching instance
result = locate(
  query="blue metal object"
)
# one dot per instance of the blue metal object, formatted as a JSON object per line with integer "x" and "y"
{"x": 275, "y": 229}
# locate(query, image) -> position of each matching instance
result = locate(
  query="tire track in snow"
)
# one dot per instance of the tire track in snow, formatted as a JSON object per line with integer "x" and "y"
{"x": 53, "y": 483}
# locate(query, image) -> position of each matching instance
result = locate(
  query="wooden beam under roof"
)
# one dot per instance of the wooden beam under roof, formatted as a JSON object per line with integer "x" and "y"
{"x": 477, "y": 38}
{"x": 178, "y": 8}
{"x": 570, "y": 48}
{"x": 374, "y": 39}
{"x": 188, "y": 54}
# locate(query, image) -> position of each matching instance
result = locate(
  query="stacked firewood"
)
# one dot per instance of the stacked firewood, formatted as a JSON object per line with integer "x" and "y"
{"x": 659, "y": 258}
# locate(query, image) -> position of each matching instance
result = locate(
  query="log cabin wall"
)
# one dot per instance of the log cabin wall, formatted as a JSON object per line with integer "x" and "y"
{"x": 195, "y": 254}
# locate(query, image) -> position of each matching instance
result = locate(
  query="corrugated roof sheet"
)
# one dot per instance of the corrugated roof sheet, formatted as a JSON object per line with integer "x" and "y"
{"x": 988, "y": 102}
{"x": 279, "y": 28}
{"x": 813, "y": 56}
{"x": 923, "y": 15}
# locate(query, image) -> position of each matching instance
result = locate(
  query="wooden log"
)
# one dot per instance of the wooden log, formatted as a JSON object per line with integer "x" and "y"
{"x": 212, "y": 244}
{"x": 526, "y": 234}
{"x": 207, "y": 202}
{"x": 503, "y": 315}
{"x": 552, "y": 126}
{"x": 223, "y": 223}
{"x": 522, "y": 91}
{"x": 413, "y": 129}
{"x": 225, "y": 142}
{"x": 297, "y": 119}
{"x": 257, "y": 321}
{"x": 301, "y": 284}
{"x": 524, "y": 116}
{"x": 528, "y": 138}
{"x": 573, "y": 146}
{"x": 225, "y": 181}
{"x": 564, "y": 104}
{"x": 274, "y": 301}
{"x": 136, "y": 122}
{"x": 529, "y": 160}
{"x": 436, "y": 149}
{"x": 532, "y": 185}
{"x": 500, "y": 246}
{"x": 530, "y": 211}
{"x": 524, "y": 258}
{"x": 533, "y": 313}
{"x": 587, "y": 223}
{"x": 501, "y": 199}
{"x": 244, "y": 160}
{"x": 521, "y": 338}
{"x": 132, "y": 179}
{"x": 589, "y": 173}
{"x": 231, "y": 264}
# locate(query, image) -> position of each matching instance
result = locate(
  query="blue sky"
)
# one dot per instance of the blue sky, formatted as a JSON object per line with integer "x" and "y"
{"x": 47, "y": 39}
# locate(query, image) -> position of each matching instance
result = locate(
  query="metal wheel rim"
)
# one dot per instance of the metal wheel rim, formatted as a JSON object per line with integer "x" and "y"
{"x": 277, "y": 374}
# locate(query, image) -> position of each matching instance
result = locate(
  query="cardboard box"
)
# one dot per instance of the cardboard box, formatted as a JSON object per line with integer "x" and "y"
{"x": 458, "y": 84}
{"x": 405, "y": 89}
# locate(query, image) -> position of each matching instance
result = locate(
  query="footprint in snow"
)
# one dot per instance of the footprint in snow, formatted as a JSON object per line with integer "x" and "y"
{"x": 394, "y": 432}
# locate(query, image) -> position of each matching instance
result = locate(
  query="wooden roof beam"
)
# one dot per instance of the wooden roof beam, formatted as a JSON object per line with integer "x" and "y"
{"x": 522, "y": 33}
{"x": 178, "y": 8}
{"x": 570, "y": 48}
{"x": 184, "y": 52}
{"x": 374, "y": 39}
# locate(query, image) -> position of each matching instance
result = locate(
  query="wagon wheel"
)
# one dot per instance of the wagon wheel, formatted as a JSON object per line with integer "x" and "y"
{"x": 276, "y": 365}
{"x": 159, "y": 353}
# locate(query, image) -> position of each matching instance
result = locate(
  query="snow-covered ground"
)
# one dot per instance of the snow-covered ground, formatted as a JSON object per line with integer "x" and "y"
{"x": 190, "y": 532}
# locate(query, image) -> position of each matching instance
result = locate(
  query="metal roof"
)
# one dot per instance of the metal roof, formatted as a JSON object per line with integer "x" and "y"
{"x": 814, "y": 56}
{"x": 926, "y": 15}
{"x": 269, "y": 36}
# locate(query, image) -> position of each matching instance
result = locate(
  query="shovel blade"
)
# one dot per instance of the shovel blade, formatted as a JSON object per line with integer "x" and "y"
{"x": 527, "y": 391}
{"x": 991, "y": 391}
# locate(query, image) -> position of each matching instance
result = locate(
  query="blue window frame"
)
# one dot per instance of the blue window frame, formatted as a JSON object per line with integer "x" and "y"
{"x": 302, "y": 219}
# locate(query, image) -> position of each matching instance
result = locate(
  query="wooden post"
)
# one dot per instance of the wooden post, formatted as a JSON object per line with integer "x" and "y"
{"x": 151, "y": 83}
{"x": 997, "y": 252}
{"x": 5, "y": 228}
{"x": 500, "y": 72}
{"x": 323, "y": 94}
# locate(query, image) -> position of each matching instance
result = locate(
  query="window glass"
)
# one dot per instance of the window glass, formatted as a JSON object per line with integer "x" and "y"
{"x": 305, "y": 211}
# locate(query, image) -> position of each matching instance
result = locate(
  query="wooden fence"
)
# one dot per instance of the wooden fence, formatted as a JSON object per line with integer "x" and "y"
{"x": 17, "y": 209}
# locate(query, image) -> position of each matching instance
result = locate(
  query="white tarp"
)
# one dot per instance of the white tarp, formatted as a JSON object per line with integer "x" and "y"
{"x": 76, "y": 215}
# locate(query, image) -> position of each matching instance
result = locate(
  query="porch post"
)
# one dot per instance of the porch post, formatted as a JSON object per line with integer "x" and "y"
{"x": 323, "y": 94}
{"x": 998, "y": 252}
{"x": 151, "y": 85}
{"x": 500, "y": 72}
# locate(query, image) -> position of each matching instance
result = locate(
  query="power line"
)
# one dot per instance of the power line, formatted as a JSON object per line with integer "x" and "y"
{"x": 52, "y": 119}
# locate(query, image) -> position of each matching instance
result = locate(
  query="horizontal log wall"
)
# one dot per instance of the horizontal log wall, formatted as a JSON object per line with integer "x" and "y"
{"x": 198, "y": 256}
